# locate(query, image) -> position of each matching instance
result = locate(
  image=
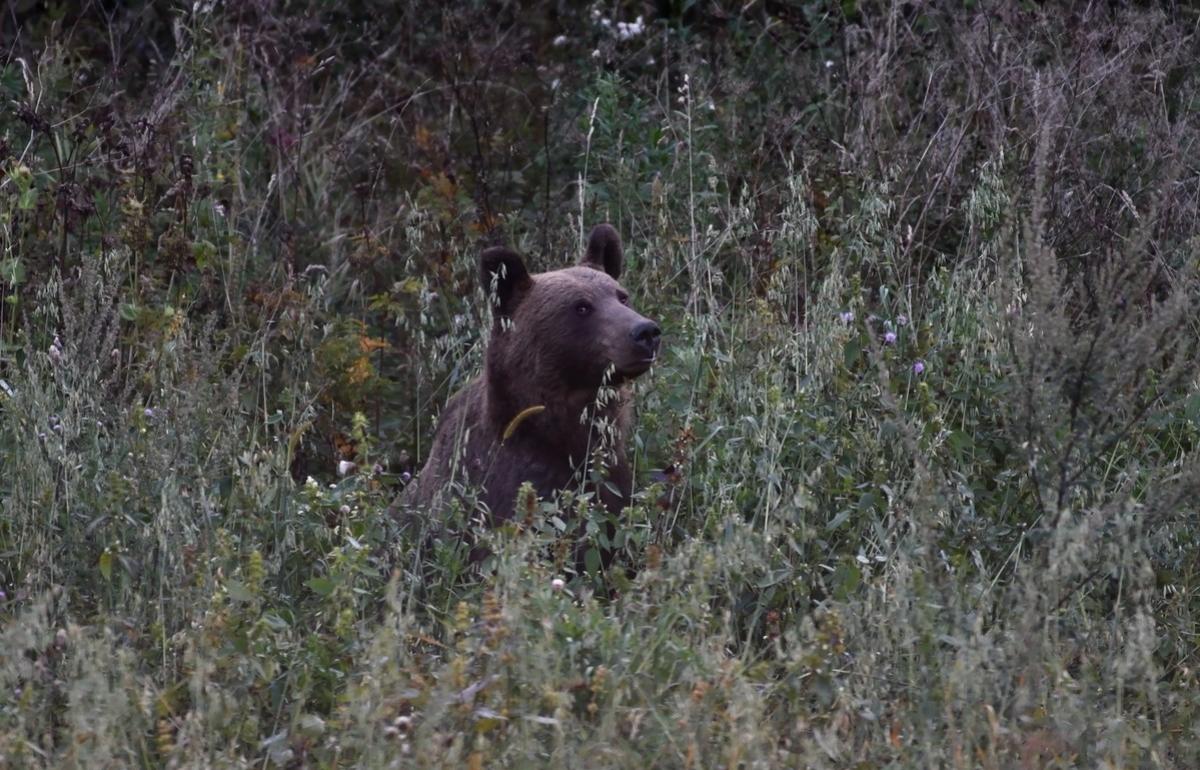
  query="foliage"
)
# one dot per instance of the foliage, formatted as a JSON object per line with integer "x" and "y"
{"x": 915, "y": 476}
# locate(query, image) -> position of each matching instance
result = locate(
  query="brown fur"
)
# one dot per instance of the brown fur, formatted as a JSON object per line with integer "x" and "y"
{"x": 545, "y": 352}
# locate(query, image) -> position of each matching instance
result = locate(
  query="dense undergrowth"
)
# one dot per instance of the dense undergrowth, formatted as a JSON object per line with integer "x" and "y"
{"x": 917, "y": 475}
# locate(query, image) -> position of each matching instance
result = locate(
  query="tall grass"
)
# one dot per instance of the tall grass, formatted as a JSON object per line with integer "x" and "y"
{"x": 916, "y": 477}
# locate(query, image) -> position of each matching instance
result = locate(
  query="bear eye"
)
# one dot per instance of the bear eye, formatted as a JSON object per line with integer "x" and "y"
{"x": 623, "y": 298}
{"x": 582, "y": 308}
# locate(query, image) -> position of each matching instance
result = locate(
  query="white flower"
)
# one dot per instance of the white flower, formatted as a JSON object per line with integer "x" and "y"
{"x": 561, "y": 40}
{"x": 557, "y": 584}
{"x": 345, "y": 467}
{"x": 630, "y": 30}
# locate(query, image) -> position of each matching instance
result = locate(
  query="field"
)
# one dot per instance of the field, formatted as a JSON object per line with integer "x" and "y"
{"x": 917, "y": 475}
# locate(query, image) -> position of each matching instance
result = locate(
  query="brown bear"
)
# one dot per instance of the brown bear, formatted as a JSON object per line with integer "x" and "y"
{"x": 537, "y": 412}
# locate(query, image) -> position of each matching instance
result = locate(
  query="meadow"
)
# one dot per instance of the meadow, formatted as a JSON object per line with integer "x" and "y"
{"x": 917, "y": 482}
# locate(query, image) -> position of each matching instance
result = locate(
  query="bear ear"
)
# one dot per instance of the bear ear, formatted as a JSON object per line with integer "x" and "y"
{"x": 504, "y": 277}
{"x": 604, "y": 250}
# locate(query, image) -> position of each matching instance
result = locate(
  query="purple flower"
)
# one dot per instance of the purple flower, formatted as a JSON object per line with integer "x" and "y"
{"x": 918, "y": 367}
{"x": 902, "y": 320}
{"x": 847, "y": 316}
{"x": 890, "y": 338}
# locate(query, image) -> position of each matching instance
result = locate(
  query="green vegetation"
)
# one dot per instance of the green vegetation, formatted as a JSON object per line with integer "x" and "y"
{"x": 917, "y": 475}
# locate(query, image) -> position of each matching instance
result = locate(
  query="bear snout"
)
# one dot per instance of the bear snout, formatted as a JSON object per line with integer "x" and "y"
{"x": 646, "y": 335}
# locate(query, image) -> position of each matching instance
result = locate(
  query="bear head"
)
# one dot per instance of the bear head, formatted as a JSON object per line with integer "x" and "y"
{"x": 566, "y": 330}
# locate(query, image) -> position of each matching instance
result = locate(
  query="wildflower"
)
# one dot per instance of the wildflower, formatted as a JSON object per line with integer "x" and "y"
{"x": 918, "y": 367}
{"x": 560, "y": 41}
{"x": 828, "y": 63}
{"x": 406, "y": 477}
{"x": 902, "y": 320}
{"x": 345, "y": 467}
{"x": 557, "y": 584}
{"x": 890, "y": 338}
{"x": 847, "y": 316}
{"x": 630, "y": 30}
{"x": 3, "y": 596}
{"x": 148, "y": 413}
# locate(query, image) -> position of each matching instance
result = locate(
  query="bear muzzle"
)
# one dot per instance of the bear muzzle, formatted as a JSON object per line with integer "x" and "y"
{"x": 646, "y": 337}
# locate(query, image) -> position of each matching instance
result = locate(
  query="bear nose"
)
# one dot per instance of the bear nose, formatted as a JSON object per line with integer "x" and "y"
{"x": 647, "y": 335}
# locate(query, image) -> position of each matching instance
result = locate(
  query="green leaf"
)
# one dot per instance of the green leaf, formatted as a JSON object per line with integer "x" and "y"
{"x": 203, "y": 252}
{"x": 106, "y": 562}
{"x": 322, "y": 586}
{"x": 838, "y": 520}
{"x": 12, "y": 272}
{"x": 591, "y": 560}
{"x": 845, "y": 579}
{"x": 852, "y": 352}
{"x": 238, "y": 591}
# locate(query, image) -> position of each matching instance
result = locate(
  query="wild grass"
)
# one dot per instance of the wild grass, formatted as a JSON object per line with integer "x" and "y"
{"x": 916, "y": 476}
